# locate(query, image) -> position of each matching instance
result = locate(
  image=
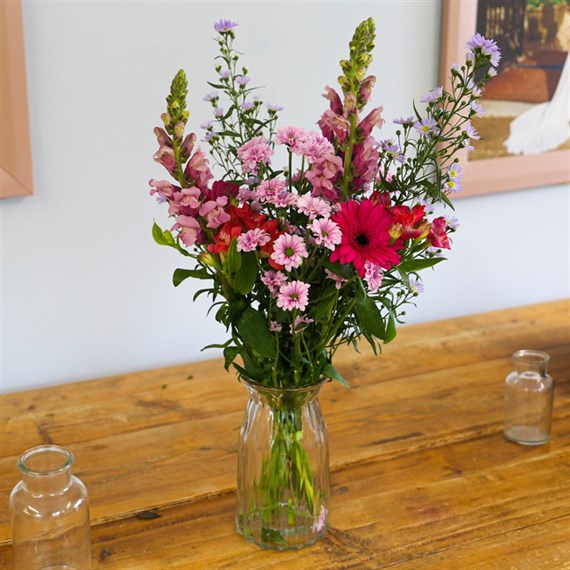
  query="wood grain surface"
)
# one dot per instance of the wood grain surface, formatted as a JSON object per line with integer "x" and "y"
{"x": 422, "y": 477}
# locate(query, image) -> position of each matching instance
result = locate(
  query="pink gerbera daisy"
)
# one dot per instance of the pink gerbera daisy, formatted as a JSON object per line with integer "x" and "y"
{"x": 365, "y": 236}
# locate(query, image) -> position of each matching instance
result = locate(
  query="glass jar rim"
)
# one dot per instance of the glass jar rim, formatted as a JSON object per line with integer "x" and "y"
{"x": 531, "y": 356}
{"x": 66, "y": 462}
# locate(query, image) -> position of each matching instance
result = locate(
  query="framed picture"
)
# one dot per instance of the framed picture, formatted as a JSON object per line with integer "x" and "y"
{"x": 524, "y": 132}
{"x": 15, "y": 150}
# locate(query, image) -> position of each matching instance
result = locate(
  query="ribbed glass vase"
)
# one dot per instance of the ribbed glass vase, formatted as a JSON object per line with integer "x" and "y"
{"x": 283, "y": 488}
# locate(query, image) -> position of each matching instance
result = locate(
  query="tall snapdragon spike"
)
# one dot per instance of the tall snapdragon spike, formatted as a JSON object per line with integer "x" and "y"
{"x": 354, "y": 69}
{"x": 176, "y": 114}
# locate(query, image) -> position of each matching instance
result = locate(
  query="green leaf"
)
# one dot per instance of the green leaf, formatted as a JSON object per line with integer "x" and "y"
{"x": 246, "y": 274}
{"x": 331, "y": 372}
{"x": 182, "y": 274}
{"x": 253, "y": 328}
{"x": 230, "y": 354}
{"x": 166, "y": 238}
{"x": 369, "y": 316}
{"x": 390, "y": 329}
{"x": 412, "y": 265}
{"x": 234, "y": 258}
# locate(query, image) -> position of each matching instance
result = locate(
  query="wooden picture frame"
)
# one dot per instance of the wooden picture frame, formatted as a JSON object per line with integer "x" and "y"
{"x": 15, "y": 148}
{"x": 512, "y": 172}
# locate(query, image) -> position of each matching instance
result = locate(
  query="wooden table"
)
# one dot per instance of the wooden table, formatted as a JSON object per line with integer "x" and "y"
{"x": 422, "y": 477}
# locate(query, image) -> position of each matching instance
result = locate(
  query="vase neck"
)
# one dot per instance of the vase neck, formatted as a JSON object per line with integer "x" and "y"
{"x": 282, "y": 398}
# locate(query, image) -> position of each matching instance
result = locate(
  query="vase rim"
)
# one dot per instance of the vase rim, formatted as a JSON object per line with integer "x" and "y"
{"x": 274, "y": 390}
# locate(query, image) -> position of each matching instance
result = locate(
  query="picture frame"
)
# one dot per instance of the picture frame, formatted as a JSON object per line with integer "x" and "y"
{"x": 504, "y": 173}
{"x": 15, "y": 147}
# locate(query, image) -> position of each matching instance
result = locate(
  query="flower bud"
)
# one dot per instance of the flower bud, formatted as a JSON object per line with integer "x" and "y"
{"x": 207, "y": 259}
{"x": 165, "y": 117}
{"x": 395, "y": 231}
{"x": 179, "y": 130}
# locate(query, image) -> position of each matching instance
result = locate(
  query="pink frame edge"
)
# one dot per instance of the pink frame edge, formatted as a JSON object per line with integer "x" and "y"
{"x": 494, "y": 174}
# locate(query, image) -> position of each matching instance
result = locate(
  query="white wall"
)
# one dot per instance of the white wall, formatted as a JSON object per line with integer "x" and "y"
{"x": 87, "y": 293}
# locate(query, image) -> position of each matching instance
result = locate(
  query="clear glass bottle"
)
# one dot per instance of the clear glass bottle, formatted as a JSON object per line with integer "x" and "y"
{"x": 283, "y": 488}
{"x": 49, "y": 510}
{"x": 529, "y": 392}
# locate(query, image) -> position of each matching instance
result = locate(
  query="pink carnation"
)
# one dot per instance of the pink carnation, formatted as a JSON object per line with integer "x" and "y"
{"x": 292, "y": 137}
{"x": 373, "y": 276}
{"x": 313, "y": 207}
{"x": 273, "y": 280}
{"x": 252, "y": 153}
{"x": 251, "y": 240}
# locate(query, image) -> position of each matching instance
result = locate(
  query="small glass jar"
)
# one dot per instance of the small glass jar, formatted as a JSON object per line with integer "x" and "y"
{"x": 49, "y": 510}
{"x": 529, "y": 392}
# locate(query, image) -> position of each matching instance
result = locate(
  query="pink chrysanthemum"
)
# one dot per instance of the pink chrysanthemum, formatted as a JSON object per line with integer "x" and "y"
{"x": 252, "y": 239}
{"x": 326, "y": 232}
{"x": 289, "y": 251}
{"x": 293, "y": 295}
{"x": 365, "y": 236}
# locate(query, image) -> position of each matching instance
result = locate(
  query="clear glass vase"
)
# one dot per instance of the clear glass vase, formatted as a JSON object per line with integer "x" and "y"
{"x": 49, "y": 511}
{"x": 529, "y": 392}
{"x": 283, "y": 488}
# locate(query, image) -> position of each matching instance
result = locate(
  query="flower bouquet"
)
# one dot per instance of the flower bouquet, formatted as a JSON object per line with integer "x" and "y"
{"x": 303, "y": 258}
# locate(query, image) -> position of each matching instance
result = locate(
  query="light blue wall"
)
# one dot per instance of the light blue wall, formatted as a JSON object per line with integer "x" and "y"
{"x": 86, "y": 292}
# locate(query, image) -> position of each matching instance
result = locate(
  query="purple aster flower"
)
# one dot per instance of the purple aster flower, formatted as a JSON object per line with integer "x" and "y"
{"x": 242, "y": 80}
{"x": 224, "y": 26}
{"x": 488, "y": 48}
{"x": 219, "y": 112}
{"x": 207, "y": 125}
{"x": 426, "y": 126}
{"x": 247, "y": 106}
{"x": 225, "y": 74}
{"x": 432, "y": 95}
{"x": 404, "y": 121}
{"x": 211, "y": 96}
{"x": 455, "y": 172}
{"x": 452, "y": 222}
{"x": 471, "y": 132}
{"x": 479, "y": 111}
{"x": 391, "y": 148}
{"x": 416, "y": 285}
{"x": 273, "y": 108}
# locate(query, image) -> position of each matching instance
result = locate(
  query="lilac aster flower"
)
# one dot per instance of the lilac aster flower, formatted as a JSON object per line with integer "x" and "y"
{"x": 289, "y": 251}
{"x": 247, "y": 106}
{"x": 273, "y": 108}
{"x": 293, "y": 295}
{"x": 211, "y": 96}
{"x": 326, "y": 232}
{"x": 242, "y": 80}
{"x": 416, "y": 285}
{"x": 207, "y": 125}
{"x": 219, "y": 112}
{"x": 471, "y": 132}
{"x": 225, "y": 74}
{"x": 426, "y": 126}
{"x": 432, "y": 95}
{"x": 487, "y": 47}
{"x": 452, "y": 185}
{"x": 224, "y": 26}
{"x": 452, "y": 222}
{"x": 455, "y": 172}
{"x": 404, "y": 121}
{"x": 393, "y": 150}
{"x": 252, "y": 239}
{"x": 479, "y": 111}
